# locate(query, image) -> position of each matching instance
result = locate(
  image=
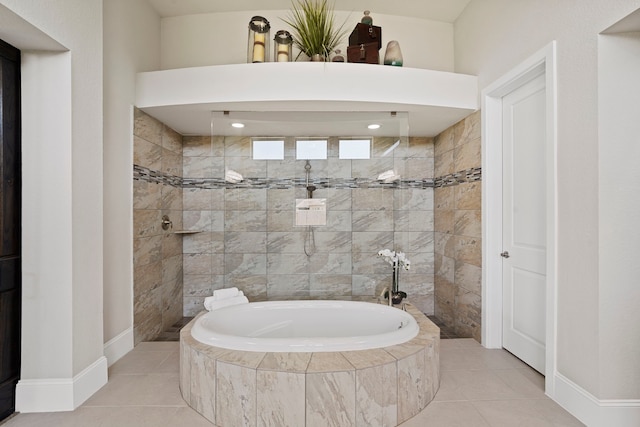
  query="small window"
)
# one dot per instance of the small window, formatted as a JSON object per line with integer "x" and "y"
{"x": 268, "y": 149}
{"x": 311, "y": 149}
{"x": 354, "y": 149}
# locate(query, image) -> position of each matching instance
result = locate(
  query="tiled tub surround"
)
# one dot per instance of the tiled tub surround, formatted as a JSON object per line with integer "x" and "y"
{"x": 249, "y": 240}
{"x": 457, "y": 208}
{"x": 379, "y": 387}
{"x": 158, "y": 277}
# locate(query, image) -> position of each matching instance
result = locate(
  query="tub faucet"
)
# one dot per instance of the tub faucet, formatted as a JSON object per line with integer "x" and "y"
{"x": 385, "y": 294}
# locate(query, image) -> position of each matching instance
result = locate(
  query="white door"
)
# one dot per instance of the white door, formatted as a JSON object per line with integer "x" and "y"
{"x": 524, "y": 225}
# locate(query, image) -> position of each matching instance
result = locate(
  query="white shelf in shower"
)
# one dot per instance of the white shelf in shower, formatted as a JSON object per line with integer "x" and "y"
{"x": 187, "y": 231}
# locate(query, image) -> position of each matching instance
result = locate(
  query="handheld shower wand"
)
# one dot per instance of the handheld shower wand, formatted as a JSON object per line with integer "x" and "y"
{"x": 310, "y": 187}
{"x": 310, "y": 238}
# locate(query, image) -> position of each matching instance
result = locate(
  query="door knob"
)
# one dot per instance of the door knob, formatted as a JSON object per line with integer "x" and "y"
{"x": 505, "y": 254}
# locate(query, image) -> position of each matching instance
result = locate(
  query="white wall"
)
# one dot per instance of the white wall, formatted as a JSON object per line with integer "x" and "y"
{"x": 132, "y": 44}
{"x": 619, "y": 234}
{"x": 47, "y": 247}
{"x": 214, "y": 39}
{"x": 62, "y": 197}
{"x": 492, "y": 37}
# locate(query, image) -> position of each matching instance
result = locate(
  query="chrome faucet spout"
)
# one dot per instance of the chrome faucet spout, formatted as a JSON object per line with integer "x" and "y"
{"x": 386, "y": 294}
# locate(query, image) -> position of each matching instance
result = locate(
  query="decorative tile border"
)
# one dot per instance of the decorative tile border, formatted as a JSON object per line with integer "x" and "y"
{"x": 457, "y": 178}
{"x": 144, "y": 174}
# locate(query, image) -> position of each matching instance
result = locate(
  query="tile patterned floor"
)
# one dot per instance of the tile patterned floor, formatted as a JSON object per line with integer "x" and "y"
{"x": 479, "y": 388}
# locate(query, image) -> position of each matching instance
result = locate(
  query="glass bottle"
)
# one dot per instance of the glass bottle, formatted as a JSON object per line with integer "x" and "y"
{"x": 258, "y": 40}
{"x": 366, "y": 19}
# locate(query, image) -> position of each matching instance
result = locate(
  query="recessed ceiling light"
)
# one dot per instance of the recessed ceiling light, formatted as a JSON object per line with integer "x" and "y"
{"x": 374, "y": 126}
{"x": 237, "y": 125}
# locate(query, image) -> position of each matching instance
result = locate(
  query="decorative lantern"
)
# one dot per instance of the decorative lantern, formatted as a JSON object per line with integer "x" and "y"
{"x": 258, "y": 46}
{"x": 282, "y": 46}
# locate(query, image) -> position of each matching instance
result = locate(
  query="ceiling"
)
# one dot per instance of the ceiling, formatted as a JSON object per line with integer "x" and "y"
{"x": 437, "y": 10}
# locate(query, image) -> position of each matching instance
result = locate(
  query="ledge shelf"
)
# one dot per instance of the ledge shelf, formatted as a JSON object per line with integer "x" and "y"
{"x": 185, "y": 98}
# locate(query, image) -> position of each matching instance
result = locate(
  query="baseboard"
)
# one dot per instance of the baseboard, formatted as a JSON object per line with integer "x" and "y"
{"x": 592, "y": 411}
{"x": 90, "y": 380}
{"x": 61, "y": 394}
{"x": 118, "y": 346}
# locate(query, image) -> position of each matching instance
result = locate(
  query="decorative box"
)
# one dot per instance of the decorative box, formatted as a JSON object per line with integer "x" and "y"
{"x": 364, "y": 33}
{"x": 365, "y": 53}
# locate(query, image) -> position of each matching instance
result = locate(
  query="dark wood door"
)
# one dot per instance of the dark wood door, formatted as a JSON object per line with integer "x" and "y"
{"x": 10, "y": 231}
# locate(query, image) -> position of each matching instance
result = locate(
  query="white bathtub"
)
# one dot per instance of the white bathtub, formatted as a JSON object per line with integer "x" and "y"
{"x": 305, "y": 326}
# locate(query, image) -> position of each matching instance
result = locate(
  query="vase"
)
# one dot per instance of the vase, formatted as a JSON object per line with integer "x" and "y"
{"x": 396, "y": 294}
{"x": 393, "y": 54}
{"x": 366, "y": 19}
{"x": 316, "y": 57}
{"x": 395, "y": 281}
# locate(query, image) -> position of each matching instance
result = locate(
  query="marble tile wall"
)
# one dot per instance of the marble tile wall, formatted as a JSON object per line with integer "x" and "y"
{"x": 457, "y": 224}
{"x": 158, "y": 276}
{"x": 248, "y": 238}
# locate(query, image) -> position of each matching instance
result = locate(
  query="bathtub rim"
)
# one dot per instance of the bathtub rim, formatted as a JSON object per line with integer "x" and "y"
{"x": 201, "y": 333}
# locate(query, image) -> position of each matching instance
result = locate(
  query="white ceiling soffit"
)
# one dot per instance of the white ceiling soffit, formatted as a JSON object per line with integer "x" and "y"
{"x": 184, "y": 99}
{"x": 437, "y": 10}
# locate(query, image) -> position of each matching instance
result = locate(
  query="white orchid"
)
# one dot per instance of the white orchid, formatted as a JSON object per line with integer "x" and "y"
{"x": 395, "y": 258}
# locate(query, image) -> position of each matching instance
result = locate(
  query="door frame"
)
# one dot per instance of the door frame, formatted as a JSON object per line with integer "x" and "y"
{"x": 542, "y": 62}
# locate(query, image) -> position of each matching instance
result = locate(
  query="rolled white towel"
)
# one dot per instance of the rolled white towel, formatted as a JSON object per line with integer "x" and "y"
{"x": 233, "y": 177}
{"x": 210, "y": 304}
{"x": 220, "y": 294}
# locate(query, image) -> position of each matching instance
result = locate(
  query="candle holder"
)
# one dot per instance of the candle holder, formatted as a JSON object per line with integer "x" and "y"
{"x": 283, "y": 43}
{"x": 258, "y": 40}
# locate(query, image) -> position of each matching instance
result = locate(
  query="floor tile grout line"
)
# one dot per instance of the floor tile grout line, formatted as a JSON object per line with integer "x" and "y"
{"x": 143, "y": 374}
{"x": 502, "y": 399}
{"x": 135, "y": 406}
{"x": 481, "y": 416}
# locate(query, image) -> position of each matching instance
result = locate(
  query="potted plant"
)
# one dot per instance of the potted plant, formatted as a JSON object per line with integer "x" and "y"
{"x": 314, "y": 31}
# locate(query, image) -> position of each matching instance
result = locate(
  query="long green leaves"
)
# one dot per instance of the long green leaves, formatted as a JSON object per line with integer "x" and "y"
{"x": 314, "y": 31}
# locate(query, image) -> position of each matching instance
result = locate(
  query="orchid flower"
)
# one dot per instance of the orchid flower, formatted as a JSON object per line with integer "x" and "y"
{"x": 395, "y": 258}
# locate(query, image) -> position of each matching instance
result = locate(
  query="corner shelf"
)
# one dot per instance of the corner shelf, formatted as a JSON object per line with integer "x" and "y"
{"x": 183, "y": 232}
